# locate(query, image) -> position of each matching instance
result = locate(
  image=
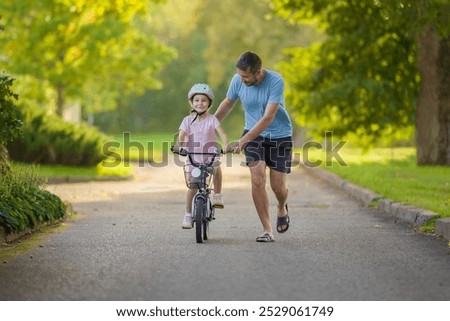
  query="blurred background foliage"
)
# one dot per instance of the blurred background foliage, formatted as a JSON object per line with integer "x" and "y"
{"x": 77, "y": 74}
{"x": 208, "y": 37}
{"x": 129, "y": 67}
{"x": 126, "y": 66}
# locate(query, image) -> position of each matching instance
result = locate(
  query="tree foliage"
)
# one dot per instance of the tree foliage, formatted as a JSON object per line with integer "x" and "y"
{"x": 208, "y": 35}
{"x": 232, "y": 30}
{"x": 87, "y": 51}
{"x": 363, "y": 78}
{"x": 174, "y": 22}
{"x": 9, "y": 120}
{"x": 10, "y": 123}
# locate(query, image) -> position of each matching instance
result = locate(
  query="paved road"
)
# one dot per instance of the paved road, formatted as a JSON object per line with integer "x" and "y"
{"x": 126, "y": 243}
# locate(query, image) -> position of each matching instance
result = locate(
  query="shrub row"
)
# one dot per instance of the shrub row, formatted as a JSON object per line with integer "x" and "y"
{"x": 23, "y": 203}
{"x": 47, "y": 139}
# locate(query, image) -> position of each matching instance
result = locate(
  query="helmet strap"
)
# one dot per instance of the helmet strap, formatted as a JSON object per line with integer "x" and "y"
{"x": 197, "y": 114}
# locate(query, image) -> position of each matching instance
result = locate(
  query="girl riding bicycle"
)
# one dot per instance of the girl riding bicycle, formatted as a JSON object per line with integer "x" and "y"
{"x": 197, "y": 133}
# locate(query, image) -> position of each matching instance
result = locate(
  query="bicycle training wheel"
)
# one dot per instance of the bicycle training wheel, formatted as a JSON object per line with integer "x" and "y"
{"x": 200, "y": 213}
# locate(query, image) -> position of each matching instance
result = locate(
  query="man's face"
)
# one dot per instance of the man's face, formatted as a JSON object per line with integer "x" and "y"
{"x": 247, "y": 77}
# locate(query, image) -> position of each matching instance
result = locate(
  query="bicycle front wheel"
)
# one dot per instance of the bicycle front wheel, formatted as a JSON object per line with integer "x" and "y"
{"x": 205, "y": 229}
{"x": 200, "y": 214}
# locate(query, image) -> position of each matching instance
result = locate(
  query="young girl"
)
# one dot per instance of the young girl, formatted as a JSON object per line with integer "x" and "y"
{"x": 197, "y": 133}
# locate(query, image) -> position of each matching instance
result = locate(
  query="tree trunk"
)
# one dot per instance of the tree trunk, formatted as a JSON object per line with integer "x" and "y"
{"x": 4, "y": 160}
{"x": 433, "y": 104}
{"x": 60, "y": 100}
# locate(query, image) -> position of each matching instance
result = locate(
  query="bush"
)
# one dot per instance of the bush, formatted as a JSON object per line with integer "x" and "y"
{"x": 48, "y": 139}
{"x": 24, "y": 204}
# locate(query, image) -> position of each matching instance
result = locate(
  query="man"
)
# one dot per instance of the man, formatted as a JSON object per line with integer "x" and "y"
{"x": 267, "y": 137}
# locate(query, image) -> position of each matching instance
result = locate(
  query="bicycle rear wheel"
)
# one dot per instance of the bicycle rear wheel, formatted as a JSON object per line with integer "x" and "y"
{"x": 200, "y": 213}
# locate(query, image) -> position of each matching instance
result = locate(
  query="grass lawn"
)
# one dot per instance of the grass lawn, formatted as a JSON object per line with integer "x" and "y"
{"x": 393, "y": 173}
{"x": 47, "y": 171}
{"x": 126, "y": 148}
{"x": 63, "y": 171}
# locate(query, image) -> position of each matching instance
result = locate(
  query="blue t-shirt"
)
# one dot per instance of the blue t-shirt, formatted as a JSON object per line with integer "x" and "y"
{"x": 255, "y": 99}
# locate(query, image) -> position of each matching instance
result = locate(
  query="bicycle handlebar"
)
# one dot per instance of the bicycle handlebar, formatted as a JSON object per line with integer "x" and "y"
{"x": 184, "y": 152}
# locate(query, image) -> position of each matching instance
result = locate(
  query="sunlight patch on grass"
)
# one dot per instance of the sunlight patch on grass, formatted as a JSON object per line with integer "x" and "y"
{"x": 120, "y": 170}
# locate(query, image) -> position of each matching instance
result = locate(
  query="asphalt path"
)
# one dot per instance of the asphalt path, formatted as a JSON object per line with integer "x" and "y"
{"x": 126, "y": 243}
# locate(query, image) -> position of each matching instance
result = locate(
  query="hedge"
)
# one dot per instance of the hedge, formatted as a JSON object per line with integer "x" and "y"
{"x": 24, "y": 203}
{"x": 47, "y": 139}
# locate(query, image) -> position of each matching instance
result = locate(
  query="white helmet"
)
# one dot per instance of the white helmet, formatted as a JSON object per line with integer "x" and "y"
{"x": 201, "y": 89}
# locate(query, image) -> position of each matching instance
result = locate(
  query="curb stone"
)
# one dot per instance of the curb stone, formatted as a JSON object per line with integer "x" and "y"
{"x": 443, "y": 227}
{"x": 363, "y": 195}
{"x": 400, "y": 212}
{"x": 6, "y": 238}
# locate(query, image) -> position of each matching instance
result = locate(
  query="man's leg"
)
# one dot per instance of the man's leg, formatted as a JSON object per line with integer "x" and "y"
{"x": 259, "y": 193}
{"x": 280, "y": 159}
{"x": 280, "y": 189}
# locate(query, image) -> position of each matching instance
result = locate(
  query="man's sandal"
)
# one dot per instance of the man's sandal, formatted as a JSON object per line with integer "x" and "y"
{"x": 283, "y": 221}
{"x": 265, "y": 237}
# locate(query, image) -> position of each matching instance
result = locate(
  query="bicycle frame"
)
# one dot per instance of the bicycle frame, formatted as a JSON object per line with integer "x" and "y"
{"x": 202, "y": 209}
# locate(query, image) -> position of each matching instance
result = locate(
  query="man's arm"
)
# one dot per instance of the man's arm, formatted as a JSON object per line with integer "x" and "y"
{"x": 224, "y": 108}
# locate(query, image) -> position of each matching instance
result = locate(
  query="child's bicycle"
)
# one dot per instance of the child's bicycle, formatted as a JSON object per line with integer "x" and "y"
{"x": 198, "y": 175}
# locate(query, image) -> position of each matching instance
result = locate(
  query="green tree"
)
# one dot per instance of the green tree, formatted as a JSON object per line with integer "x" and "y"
{"x": 174, "y": 22}
{"x": 83, "y": 49}
{"x": 365, "y": 77}
{"x": 10, "y": 124}
{"x": 230, "y": 31}
{"x": 207, "y": 53}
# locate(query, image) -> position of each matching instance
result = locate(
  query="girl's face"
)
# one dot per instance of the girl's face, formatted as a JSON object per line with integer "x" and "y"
{"x": 200, "y": 102}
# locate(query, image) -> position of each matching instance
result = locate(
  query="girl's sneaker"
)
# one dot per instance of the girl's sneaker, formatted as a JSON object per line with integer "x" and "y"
{"x": 187, "y": 222}
{"x": 217, "y": 201}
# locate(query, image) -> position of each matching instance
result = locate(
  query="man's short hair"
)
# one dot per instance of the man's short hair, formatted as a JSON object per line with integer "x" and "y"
{"x": 249, "y": 60}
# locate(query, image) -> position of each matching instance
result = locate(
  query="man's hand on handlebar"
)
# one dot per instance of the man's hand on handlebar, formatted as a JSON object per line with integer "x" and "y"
{"x": 233, "y": 147}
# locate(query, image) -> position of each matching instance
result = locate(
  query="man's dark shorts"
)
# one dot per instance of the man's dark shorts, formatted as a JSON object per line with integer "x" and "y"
{"x": 277, "y": 152}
